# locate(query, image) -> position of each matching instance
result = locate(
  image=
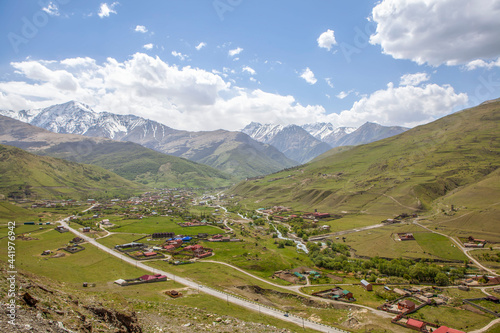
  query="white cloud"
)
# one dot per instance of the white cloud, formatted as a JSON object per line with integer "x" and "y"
{"x": 406, "y": 106}
{"x": 343, "y": 94}
{"x": 249, "y": 70}
{"x": 75, "y": 62}
{"x": 105, "y": 10}
{"x": 201, "y": 45}
{"x": 327, "y": 39}
{"x": 141, "y": 29}
{"x": 51, "y": 9}
{"x": 308, "y": 75}
{"x": 414, "y": 79}
{"x": 179, "y": 55}
{"x": 479, "y": 63}
{"x": 329, "y": 82}
{"x": 447, "y": 32}
{"x": 235, "y": 51}
{"x": 148, "y": 46}
{"x": 194, "y": 99}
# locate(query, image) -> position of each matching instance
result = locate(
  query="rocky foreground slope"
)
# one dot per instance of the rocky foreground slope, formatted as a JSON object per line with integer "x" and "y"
{"x": 47, "y": 306}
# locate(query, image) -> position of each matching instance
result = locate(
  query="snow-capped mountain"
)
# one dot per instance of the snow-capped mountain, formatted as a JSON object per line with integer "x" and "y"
{"x": 233, "y": 152}
{"x": 327, "y": 132}
{"x": 78, "y": 118}
{"x": 292, "y": 140}
{"x": 303, "y": 143}
{"x": 370, "y": 132}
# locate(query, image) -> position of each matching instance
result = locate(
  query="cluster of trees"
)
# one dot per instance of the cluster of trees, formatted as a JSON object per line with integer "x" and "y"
{"x": 336, "y": 257}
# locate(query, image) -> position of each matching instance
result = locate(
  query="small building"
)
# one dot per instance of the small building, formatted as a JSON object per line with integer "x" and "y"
{"x": 401, "y": 292}
{"x": 173, "y": 293}
{"x": 86, "y": 229}
{"x": 367, "y": 285}
{"x": 61, "y": 229}
{"x": 415, "y": 324}
{"x": 406, "y": 236}
{"x": 406, "y": 305}
{"x": 169, "y": 248}
{"x": 347, "y": 294}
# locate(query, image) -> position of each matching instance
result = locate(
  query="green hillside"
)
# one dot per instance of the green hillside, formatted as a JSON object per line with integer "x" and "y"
{"x": 129, "y": 160}
{"x": 137, "y": 163}
{"x": 404, "y": 173}
{"x": 26, "y": 175}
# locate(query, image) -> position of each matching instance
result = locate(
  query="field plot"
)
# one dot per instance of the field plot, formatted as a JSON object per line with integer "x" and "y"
{"x": 261, "y": 257}
{"x": 438, "y": 246}
{"x": 90, "y": 265}
{"x": 160, "y": 224}
{"x": 453, "y": 317}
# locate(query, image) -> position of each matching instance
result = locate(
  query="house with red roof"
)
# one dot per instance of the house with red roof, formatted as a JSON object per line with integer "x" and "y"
{"x": 415, "y": 324}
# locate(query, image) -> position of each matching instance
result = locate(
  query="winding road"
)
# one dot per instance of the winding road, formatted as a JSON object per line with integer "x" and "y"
{"x": 192, "y": 284}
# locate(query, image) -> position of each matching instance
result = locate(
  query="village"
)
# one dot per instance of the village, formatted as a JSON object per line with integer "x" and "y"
{"x": 181, "y": 227}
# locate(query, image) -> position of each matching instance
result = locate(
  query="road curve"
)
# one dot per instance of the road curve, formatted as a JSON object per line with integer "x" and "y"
{"x": 226, "y": 297}
{"x": 463, "y": 249}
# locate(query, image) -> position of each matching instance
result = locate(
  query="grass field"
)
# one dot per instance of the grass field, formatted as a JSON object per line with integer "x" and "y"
{"x": 149, "y": 225}
{"x": 438, "y": 246}
{"x": 383, "y": 242}
{"x": 453, "y": 317}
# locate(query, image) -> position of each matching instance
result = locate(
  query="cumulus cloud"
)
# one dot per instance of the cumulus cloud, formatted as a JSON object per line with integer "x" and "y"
{"x": 414, "y": 79}
{"x": 179, "y": 55}
{"x": 105, "y": 10}
{"x": 141, "y": 29}
{"x": 308, "y": 75}
{"x": 447, "y": 32}
{"x": 200, "y": 46}
{"x": 405, "y": 105}
{"x": 148, "y": 46}
{"x": 235, "y": 51}
{"x": 327, "y": 39}
{"x": 195, "y": 99}
{"x": 479, "y": 63}
{"x": 249, "y": 70}
{"x": 51, "y": 9}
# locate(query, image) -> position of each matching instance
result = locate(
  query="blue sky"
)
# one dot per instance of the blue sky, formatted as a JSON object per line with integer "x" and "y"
{"x": 204, "y": 65}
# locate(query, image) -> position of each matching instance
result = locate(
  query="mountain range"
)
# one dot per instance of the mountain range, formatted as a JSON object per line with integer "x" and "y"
{"x": 451, "y": 162}
{"x": 127, "y": 159}
{"x": 292, "y": 140}
{"x": 304, "y": 143}
{"x": 256, "y": 150}
{"x": 232, "y": 152}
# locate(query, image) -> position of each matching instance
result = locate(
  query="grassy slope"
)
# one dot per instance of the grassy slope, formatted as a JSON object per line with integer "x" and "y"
{"x": 138, "y": 163}
{"x": 51, "y": 177}
{"x": 129, "y": 160}
{"x": 401, "y": 173}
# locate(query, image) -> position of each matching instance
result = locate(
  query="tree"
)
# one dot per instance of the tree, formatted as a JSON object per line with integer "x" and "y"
{"x": 441, "y": 279}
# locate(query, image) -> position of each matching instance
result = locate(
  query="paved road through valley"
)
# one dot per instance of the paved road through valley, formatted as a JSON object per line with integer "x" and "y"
{"x": 226, "y": 297}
